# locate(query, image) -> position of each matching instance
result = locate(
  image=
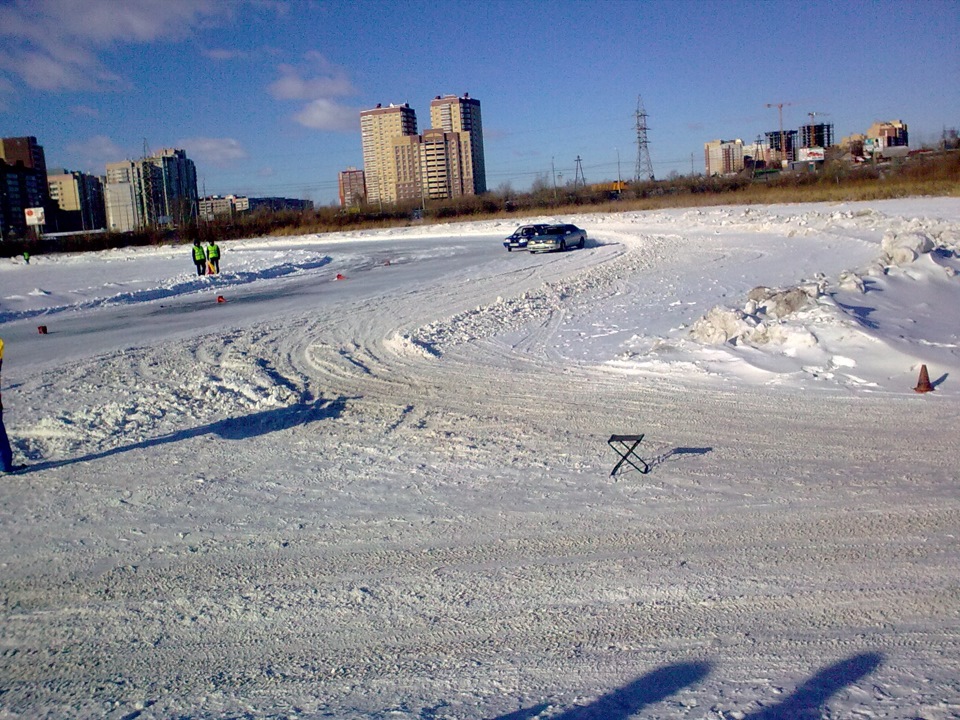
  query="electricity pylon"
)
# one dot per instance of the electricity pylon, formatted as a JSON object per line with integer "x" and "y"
{"x": 644, "y": 164}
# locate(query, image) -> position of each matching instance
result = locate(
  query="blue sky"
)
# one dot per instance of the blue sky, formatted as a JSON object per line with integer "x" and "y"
{"x": 265, "y": 95}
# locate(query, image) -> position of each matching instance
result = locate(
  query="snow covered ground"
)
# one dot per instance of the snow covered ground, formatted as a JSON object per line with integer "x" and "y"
{"x": 389, "y": 495}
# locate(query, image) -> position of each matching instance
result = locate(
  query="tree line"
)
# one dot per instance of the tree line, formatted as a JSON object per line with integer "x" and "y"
{"x": 935, "y": 173}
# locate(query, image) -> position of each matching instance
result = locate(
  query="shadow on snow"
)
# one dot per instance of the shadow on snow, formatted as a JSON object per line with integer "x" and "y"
{"x": 804, "y": 703}
{"x": 238, "y": 428}
{"x": 807, "y": 701}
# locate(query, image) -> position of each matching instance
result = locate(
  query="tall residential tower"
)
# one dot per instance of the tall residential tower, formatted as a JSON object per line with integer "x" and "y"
{"x": 462, "y": 115}
{"x": 379, "y": 128}
{"x": 445, "y": 161}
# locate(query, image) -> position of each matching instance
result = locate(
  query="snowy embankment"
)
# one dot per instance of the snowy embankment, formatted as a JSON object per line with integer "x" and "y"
{"x": 388, "y": 496}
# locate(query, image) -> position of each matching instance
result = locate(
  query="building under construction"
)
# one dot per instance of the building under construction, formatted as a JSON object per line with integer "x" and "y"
{"x": 787, "y": 149}
{"x": 816, "y": 136}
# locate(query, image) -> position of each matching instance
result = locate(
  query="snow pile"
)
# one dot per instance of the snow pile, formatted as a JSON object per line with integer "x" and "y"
{"x": 904, "y": 248}
{"x": 802, "y": 321}
{"x": 763, "y": 320}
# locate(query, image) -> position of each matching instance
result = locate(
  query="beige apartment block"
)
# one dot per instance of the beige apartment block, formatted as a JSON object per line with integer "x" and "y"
{"x": 379, "y": 128}
{"x": 405, "y": 168}
{"x": 723, "y": 157}
{"x": 889, "y": 134}
{"x": 429, "y": 166}
{"x": 444, "y": 163}
{"x": 451, "y": 113}
{"x": 65, "y": 190}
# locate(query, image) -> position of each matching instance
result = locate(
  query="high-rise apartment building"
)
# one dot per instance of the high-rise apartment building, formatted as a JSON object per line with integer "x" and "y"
{"x": 133, "y": 195}
{"x": 723, "y": 157}
{"x": 353, "y": 187}
{"x": 25, "y": 150}
{"x": 23, "y": 183}
{"x": 79, "y": 199}
{"x": 378, "y": 128}
{"x": 178, "y": 186}
{"x": 783, "y": 144}
{"x": 446, "y": 161}
{"x": 462, "y": 115}
{"x": 816, "y": 136}
{"x": 406, "y": 168}
{"x": 160, "y": 190}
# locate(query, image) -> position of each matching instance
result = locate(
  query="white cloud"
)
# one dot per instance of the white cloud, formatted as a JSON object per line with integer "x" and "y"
{"x": 93, "y": 154}
{"x": 325, "y": 114}
{"x": 291, "y": 86}
{"x": 318, "y": 81}
{"x": 54, "y": 44}
{"x": 6, "y": 90}
{"x": 215, "y": 151}
{"x": 223, "y": 54}
{"x": 85, "y": 110}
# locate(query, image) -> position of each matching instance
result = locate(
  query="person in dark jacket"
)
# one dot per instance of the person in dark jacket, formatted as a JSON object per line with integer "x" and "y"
{"x": 199, "y": 258}
{"x": 6, "y": 452}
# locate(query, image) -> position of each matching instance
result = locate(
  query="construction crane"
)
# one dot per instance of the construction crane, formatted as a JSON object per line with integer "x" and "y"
{"x": 783, "y": 144}
{"x": 813, "y": 134}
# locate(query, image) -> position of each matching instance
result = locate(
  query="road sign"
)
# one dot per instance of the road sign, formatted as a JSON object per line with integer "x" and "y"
{"x": 34, "y": 216}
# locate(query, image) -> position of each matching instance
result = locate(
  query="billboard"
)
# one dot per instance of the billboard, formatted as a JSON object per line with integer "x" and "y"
{"x": 811, "y": 154}
{"x": 34, "y": 216}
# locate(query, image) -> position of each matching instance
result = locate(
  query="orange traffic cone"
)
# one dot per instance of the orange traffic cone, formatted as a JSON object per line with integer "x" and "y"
{"x": 340, "y": 277}
{"x": 221, "y": 298}
{"x": 923, "y": 384}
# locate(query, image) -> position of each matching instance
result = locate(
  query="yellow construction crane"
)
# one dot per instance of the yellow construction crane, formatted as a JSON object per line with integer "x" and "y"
{"x": 783, "y": 144}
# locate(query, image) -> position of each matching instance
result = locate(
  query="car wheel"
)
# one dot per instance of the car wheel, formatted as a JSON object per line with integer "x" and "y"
{"x": 581, "y": 243}
{"x": 563, "y": 245}
{"x": 509, "y": 249}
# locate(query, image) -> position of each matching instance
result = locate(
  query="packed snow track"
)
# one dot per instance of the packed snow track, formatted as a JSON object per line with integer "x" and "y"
{"x": 389, "y": 495}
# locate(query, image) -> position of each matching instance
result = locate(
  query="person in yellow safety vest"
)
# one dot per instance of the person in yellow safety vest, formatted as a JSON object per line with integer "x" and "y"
{"x": 199, "y": 258}
{"x": 213, "y": 257}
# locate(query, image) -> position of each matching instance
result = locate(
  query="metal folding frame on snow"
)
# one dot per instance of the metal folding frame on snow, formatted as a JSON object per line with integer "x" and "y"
{"x": 625, "y": 446}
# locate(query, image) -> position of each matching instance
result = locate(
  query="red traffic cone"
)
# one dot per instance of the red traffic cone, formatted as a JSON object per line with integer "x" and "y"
{"x": 923, "y": 384}
{"x": 42, "y": 329}
{"x": 221, "y": 298}
{"x": 341, "y": 277}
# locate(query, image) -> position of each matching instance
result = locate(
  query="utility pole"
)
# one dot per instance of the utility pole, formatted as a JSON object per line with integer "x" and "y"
{"x": 644, "y": 164}
{"x": 783, "y": 147}
{"x": 578, "y": 174}
{"x": 553, "y": 171}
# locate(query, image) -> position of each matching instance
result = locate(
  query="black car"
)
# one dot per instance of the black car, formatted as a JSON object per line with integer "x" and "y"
{"x": 521, "y": 236}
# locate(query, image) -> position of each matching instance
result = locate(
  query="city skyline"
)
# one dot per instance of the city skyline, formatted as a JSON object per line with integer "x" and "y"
{"x": 266, "y": 96}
